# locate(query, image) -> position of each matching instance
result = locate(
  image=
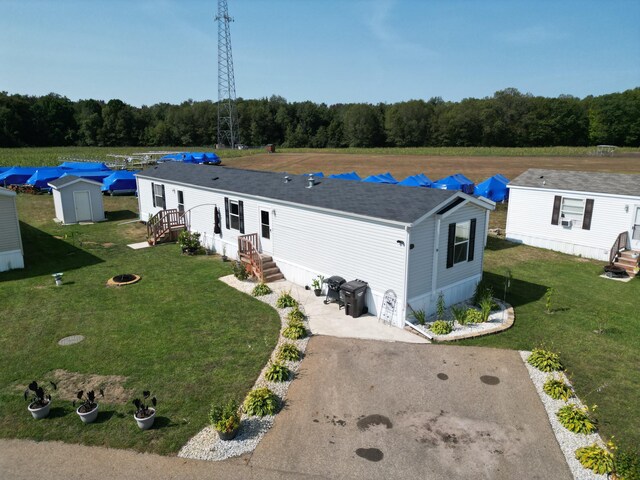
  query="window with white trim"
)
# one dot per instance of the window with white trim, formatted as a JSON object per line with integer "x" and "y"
{"x": 572, "y": 210}
{"x": 234, "y": 215}
{"x": 158, "y": 195}
{"x": 461, "y": 242}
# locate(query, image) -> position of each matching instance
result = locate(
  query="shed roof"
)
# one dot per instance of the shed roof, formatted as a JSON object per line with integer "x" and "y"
{"x": 6, "y": 192}
{"x": 387, "y": 202}
{"x": 610, "y": 183}
{"x": 61, "y": 182}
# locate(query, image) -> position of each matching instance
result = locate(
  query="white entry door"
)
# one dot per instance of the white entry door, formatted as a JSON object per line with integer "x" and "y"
{"x": 265, "y": 230}
{"x": 82, "y": 202}
{"x": 635, "y": 230}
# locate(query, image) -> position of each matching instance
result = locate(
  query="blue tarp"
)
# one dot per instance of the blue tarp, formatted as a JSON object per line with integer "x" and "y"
{"x": 455, "y": 182}
{"x": 95, "y": 175}
{"x": 43, "y": 175}
{"x": 316, "y": 174}
{"x": 192, "y": 157}
{"x": 382, "y": 178}
{"x": 493, "y": 188}
{"x": 346, "y": 176}
{"x": 420, "y": 180}
{"x": 502, "y": 178}
{"x": 4, "y": 169}
{"x": 16, "y": 175}
{"x": 84, "y": 166}
{"x": 120, "y": 181}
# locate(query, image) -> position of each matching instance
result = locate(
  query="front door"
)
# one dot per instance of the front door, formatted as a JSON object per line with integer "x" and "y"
{"x": 265, "y": 230}
{"x": 635, "y": 229}
{"x": 82, "y": 202}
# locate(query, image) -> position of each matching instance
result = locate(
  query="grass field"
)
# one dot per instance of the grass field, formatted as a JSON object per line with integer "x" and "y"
{"x": 179, "y": 332}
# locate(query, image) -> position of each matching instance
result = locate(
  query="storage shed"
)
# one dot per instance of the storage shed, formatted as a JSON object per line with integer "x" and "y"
{"x": 11, "y": 253}
{"x": 77, "y": 200}
{"x": 418, "y": 242}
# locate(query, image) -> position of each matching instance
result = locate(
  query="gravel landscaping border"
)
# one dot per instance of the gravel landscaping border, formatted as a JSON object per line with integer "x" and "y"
{"x": 569, "y": 442}
{"x": 206, "y": 445}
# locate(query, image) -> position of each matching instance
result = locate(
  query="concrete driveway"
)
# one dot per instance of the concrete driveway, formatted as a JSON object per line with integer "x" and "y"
{"x": 367, "y": 409}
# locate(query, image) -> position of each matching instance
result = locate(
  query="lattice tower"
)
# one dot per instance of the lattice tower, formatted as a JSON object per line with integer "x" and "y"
{"x": 228, "y": 132}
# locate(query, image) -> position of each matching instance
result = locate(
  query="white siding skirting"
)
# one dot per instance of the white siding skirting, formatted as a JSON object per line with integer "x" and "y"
{"x": 454, "y": 293}
{"x": 11, "y": 260}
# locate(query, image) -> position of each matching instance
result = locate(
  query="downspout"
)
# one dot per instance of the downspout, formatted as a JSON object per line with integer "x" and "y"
{"x": 436, "y": 249}
{"x": 405, "y": 295}
{"x": 486, "y": 227}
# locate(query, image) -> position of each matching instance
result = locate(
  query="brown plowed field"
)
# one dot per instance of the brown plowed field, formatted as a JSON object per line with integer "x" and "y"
{"x": 434, "y": 167}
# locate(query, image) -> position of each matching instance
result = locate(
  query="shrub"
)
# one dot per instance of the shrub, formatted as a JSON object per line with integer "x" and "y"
{"x": 240, "y": 271}
{"x": 544, "y": 360}
{"x": 277, "y": 372}
{"x": 261, "y": 289}
{"x": 440, "y": 327}
{"x": 486, "y": 305}
{"x": 189, "y": 242}
{"x": 460, "y": 314}
{"x": 577, "y": 419}
{"x": 225, "y": 417}
{"x": 294, "y": 330}
{"x": 295, "y": 315}
{"x": 473, "y": 316}
{"x": 482, "y": 290}
{"x": 420, "y": 316}
{"x": 286, "y": 300}
{"x": 440, "y": 306}
{"x": 548, "y": 299}
{"x": 596, "y": 458}
{"x": 260, "y": 402}
{"x": 557, "y": 389}
{"x": 288, "y": 352}
{"x": 627, "y": 465}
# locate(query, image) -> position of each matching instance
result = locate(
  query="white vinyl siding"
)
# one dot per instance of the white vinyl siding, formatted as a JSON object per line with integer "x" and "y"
{"x": 10, "y": 239}
{"x": 421, "y": 258}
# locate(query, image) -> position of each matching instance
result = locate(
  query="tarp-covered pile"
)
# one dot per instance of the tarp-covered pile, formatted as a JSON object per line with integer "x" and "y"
{"x": 455, "y": 182}
{"x": 494, "y": 188}
{"x": 381, "y": 178}
{"x": 346, "y": 176}
{"x": 208, "y": 158}
{"x": 420, "y": 180}
{"x": 120, "y": 183}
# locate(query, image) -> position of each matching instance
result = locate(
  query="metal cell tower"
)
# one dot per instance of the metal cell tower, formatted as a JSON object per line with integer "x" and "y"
{"x": 227, "y": 114}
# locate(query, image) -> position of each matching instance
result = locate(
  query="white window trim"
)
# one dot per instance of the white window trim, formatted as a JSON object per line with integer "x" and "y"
{"x": 157, "y": 194}
{"x": 233, "y": 215}
{"x": 571, "y": 216}
{"x": 455, "y": 244}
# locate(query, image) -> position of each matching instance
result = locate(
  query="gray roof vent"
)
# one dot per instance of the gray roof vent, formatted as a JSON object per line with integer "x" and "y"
{"x": 310, "y": 181}
{"x": 287, "y": 179}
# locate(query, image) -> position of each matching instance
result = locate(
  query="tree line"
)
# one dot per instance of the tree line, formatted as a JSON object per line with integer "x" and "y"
{"x": 509, "y": 118}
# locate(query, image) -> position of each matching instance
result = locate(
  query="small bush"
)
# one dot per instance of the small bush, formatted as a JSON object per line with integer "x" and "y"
{"x": 577, "y": 419}
{"x": 260, "y": 402}
{"x": 473, "y": 316}
{"x": 441, "y": 306}
{"x": 440, "y": 327}
{"x": 261, "y": 289}
{"x": 224, "y": 417}
{"x": 544, "y": 360}
{"x": 288, "y": 352}
{"x": 420, "y": 316}
{"x": 295, "y": 315}
{"x": 460, "y": 314}
{"x": 286, "y": 300}
{"x": 482, "y": 290}
{"x": 596, "y": 458}
{"x": 557, "y": 389}
{"x": 189, "y": 242}
{"x": 294, "y": 331}
{"x": 240, "y": 271}
{"x": 486, "y": 305}
{"x": 277, "y": 372}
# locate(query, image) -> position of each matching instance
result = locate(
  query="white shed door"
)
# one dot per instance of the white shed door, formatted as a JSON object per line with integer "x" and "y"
{"x": 82, "y": 202}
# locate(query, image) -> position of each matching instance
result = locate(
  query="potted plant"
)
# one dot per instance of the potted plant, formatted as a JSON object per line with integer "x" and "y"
{"x": 40, "y": 403}
{"x": 88, "y": 409}
{"x": 224, "y": 253}
{"x": 145, "y": 414}
{"x": 316, "y": 284}
{"x": 225, "y": 419}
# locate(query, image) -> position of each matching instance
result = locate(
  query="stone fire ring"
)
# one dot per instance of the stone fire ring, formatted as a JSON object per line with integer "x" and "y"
{"x": 124, "y": 279}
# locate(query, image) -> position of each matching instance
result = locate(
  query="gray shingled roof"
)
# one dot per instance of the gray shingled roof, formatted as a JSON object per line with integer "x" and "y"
{"x": 612, "y": 183}
{"x": 388, "y": 202}
{"x": 62, "y": 181}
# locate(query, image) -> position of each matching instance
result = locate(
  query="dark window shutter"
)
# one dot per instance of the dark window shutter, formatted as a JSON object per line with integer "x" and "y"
{"x": 557, "y": 201}
{"x": 216, "y": 220}
{"x": 164, "y": 201}
{"x": 588, "y": 212}
{"x": 472, "y": 239}
{"x": 153, "y": 193}
{"x": 241, "y": 215}
{"x": 450, "y": 244}
{"x": 226, "y": 212}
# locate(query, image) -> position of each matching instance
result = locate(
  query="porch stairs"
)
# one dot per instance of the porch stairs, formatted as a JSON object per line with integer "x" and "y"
{"x": 165, "y": 225}
{"x": 624, "y": 257}
{"x": 257, "y": 264}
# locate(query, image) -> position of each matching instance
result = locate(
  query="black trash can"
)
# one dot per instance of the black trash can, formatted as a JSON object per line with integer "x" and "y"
{"x": 353, "y": 297}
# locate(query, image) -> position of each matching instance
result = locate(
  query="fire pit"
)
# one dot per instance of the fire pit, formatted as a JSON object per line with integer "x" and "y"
{"x": 123, "y": 279}
{"x": 614, "y": 271}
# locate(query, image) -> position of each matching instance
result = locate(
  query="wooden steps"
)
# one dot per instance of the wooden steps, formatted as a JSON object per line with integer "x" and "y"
{"x": 270, "y": 271}
{"x": 625, "y": 259}
{"x": 257, "y": 264}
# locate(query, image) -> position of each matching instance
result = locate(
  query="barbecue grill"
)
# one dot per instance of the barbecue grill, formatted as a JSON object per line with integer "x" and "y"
{"x": 614, "y": 271}
{"x": 333, "y": 289}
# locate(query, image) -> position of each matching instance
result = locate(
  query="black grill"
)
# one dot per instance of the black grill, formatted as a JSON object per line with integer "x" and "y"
{"x": 333, "y": 289}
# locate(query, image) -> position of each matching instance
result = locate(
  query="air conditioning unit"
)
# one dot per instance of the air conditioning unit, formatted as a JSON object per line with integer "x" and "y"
{"x": 567, "y": 223}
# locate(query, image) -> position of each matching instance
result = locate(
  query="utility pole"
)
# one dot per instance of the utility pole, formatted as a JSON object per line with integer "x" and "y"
{"x": 227, "y": 114}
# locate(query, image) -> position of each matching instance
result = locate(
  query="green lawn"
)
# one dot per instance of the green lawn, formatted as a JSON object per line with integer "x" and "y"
{"x": 604, "y": 367}
{"x": 179, "y": 332}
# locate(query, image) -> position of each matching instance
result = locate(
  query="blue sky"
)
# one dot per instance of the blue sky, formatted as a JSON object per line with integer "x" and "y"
{"x": 331, "y": 51}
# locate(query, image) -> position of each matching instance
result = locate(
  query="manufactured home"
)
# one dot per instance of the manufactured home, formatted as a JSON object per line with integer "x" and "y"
{"x": 77, "y": 199}
{"x": 417, "y": 242}
{"x": 590, "y": 214}
{"x": 11, "y": 253}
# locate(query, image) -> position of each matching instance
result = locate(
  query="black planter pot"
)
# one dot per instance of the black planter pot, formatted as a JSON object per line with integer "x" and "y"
{"x": 318, "y": 292}
{"x": 229, "y": 435}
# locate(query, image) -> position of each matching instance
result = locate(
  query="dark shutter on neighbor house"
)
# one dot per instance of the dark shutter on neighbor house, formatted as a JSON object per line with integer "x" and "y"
{"x": 588, "y": 212}
{"x": 153, "y": 193}
{"x": 555, "y": 217}
{"x": 226, "y": 212}
{"x": 241, "y": 215}
{"x": 472, "y": 239}
{"x": 216, "y": 221}
{"x": 450, "y": 244}
{"x": 164, "y": 202}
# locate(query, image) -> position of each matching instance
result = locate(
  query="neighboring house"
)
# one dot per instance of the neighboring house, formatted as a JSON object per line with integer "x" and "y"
{"x": 11, "y": 253}
{"x": 77, "y": 199}
{"x": 417, "y": 242}
{"x": 579, "y": 213}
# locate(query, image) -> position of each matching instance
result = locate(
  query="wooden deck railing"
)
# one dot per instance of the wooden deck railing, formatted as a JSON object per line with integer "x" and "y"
{"x": 164, "y": 222}
{"x": 621, "y": 242}
{"x": 248, "y": 253}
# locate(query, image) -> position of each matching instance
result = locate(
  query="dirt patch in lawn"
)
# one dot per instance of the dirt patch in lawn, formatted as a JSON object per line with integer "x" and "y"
{"x": 70, "y": 382}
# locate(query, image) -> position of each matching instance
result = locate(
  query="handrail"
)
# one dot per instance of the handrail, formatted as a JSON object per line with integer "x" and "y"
{"x": 247, "y": 245}
{"x": 163, "y": 221}
{"x": 621, "y": 242}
